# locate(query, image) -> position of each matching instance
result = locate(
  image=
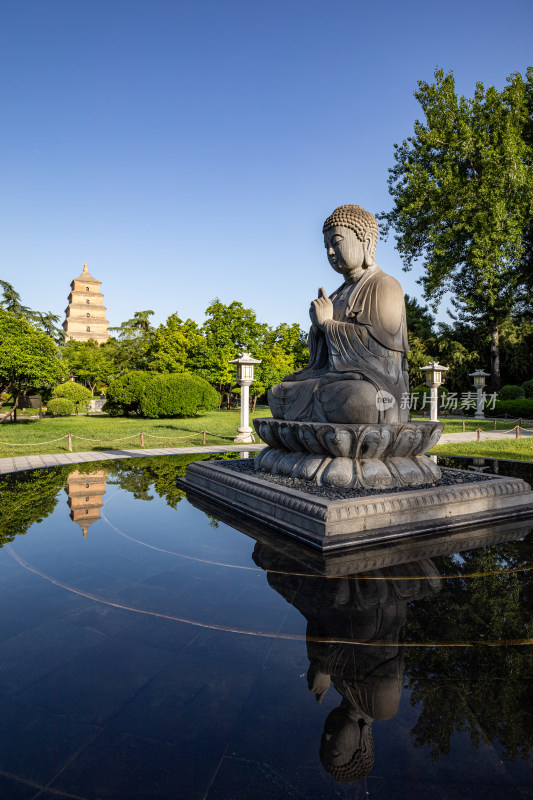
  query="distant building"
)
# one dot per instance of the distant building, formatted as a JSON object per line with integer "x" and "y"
{"x": 85, "y": 493}
{"x": 85, "y": 315}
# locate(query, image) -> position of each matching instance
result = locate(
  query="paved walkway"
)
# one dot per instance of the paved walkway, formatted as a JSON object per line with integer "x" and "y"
{"x": 471, "y": 436}
{"x": 19, "y": 463}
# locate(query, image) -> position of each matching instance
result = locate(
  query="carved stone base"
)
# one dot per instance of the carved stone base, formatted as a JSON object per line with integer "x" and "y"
{"x": 329, "y": 524}
{"x": 370, "y": 456}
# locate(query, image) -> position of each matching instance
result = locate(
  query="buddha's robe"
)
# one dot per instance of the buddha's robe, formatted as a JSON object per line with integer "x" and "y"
{"x": 361, "y": 351}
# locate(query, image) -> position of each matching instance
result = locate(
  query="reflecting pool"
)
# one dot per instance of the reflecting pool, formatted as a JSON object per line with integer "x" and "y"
{"x": 151, "y": 649}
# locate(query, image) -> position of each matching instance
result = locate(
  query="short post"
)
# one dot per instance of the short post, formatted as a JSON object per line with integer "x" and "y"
{"x": 245, "y": 376}
{"x": 520, "y": 423}
{"x": 142, "y": 439}
{"x": 70, "y": 442}
{"x": 517, "y": 429}
{"x": 464, "y": 429}
{"x": 203, "y": 437}
{"x": 479, "y": 434}
{"x": 494, "y": 423}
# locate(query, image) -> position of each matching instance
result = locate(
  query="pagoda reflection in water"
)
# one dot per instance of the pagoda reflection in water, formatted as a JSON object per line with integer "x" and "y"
{"x": 85, "y": 493}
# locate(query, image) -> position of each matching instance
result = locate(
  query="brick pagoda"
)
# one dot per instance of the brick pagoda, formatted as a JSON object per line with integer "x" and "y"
{"x": 85, "y": 493}
{"x": 85, "y": 315}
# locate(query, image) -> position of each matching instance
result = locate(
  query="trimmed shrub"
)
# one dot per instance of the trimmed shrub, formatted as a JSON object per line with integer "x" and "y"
{"x": 510, "y": 392}
{"x": 123, "y": 395}
{"x": 528, "y": 389}
{"x": 513, "y": 408}
{"x": 177, "y": 395}
{"x": 156, "y": 395}
{"x": 61, "y": 407}
{"x": 75, "y": 392}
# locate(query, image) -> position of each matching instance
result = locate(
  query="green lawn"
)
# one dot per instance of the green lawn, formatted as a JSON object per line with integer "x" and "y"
{"x": 32, "y": 437}
{"x": 515, "y": 449}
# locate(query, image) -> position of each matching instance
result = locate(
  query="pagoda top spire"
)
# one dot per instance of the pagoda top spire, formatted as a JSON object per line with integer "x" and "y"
{"x": 85, "y": 268}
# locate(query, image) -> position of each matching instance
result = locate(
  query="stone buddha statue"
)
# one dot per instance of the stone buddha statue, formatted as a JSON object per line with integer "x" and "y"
{"x": 357, "y": 369}
{"x": 341, "y": 421}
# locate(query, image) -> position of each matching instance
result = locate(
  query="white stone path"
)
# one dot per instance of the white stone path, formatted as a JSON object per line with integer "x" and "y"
{"x": 18, "y": 463}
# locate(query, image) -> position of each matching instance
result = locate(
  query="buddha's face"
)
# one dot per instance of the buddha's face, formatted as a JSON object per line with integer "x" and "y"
{"x": 346, "y": 253}
{"x": 341, "y": 738}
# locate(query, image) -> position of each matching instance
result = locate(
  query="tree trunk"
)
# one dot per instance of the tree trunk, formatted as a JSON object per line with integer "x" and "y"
{"x": 12, "y": 411}
{"x": 495, "y": 357}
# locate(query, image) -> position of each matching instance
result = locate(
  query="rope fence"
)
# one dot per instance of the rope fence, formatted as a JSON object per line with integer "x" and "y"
{"x": 141, "y": 436}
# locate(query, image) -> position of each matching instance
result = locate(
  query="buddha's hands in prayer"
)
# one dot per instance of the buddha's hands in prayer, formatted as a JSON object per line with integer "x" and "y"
{"x": 317, "y": 681}
{"x": 321, "y": 309}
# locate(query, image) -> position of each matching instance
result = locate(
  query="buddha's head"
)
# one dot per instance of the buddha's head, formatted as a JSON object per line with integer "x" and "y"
{"x": 350, "y": 238}
{"x": 347, "y": 748}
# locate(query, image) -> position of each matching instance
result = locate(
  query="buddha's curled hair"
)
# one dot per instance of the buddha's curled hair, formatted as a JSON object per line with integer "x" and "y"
{"x": 361, "y": 762}
{"x": 357, "y": 219}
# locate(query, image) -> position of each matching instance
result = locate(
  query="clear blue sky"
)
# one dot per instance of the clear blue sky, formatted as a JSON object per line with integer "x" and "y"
{"x": 189, "y": 150}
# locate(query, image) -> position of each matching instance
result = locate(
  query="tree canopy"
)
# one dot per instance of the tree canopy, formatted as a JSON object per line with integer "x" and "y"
{"x": 462, "y": 189}
{"x": 29, "y": 359}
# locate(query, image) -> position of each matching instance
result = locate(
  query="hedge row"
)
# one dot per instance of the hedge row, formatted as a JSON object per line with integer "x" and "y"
{"x": 156, "y": 395}
{"x": 513, "y": 408}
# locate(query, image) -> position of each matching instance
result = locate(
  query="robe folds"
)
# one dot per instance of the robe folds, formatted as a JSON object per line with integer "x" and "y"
{"x": 360, "y": 352}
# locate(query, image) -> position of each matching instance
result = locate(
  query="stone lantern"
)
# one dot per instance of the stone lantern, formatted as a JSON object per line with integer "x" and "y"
{"x": 245, "y": 376}
{"x": 434, "y": 379}
{"x": 479, "y": 384}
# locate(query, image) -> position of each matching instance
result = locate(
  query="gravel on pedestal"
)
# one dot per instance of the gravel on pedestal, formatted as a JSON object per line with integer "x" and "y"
{"x": 450, "y": 477}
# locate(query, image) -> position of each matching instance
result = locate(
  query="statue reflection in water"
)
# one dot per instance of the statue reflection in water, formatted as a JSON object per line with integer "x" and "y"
{"x": 355, "y": 630}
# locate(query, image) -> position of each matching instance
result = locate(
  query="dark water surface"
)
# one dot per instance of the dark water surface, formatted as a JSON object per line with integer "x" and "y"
{"x": 151, "y": 650}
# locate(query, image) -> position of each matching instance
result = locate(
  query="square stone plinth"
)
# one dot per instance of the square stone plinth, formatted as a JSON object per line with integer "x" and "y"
{"x": 328, "y": 524}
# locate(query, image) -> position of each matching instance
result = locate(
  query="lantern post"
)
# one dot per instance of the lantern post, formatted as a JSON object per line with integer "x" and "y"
{"x": 479, "y": 384}
{"x": 434, "y": 379}
{"x": 245, "y": 376}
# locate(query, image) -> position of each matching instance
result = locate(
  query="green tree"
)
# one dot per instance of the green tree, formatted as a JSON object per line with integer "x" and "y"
{"x": 479, "y": 690}
{"x": 27, "y": 498}
{"x": 177, "y": 346}
{"x": 282, "y": 351}
{"x": 420, "y": 321}
{"x": 28, "y": 358}
{"x": 463, "y": 197}
{"x": 130, "y": 350}
{"x": 47, "y": 322}
{"x": 89, "y": 362}
{"x": 11, "y": 301}
{"x": 228, "y": 330}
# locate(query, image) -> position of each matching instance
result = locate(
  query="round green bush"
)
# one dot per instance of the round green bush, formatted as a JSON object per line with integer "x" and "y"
{"x": 123, "y": 395}
{"x": 511, "y": 392}
{"x": 528, "y": 389}
{"x": 78, "y": 394}
{"x": 155, "y": 395}
{"x": 60, "y": 407}
{"x": 177, "y": 395}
